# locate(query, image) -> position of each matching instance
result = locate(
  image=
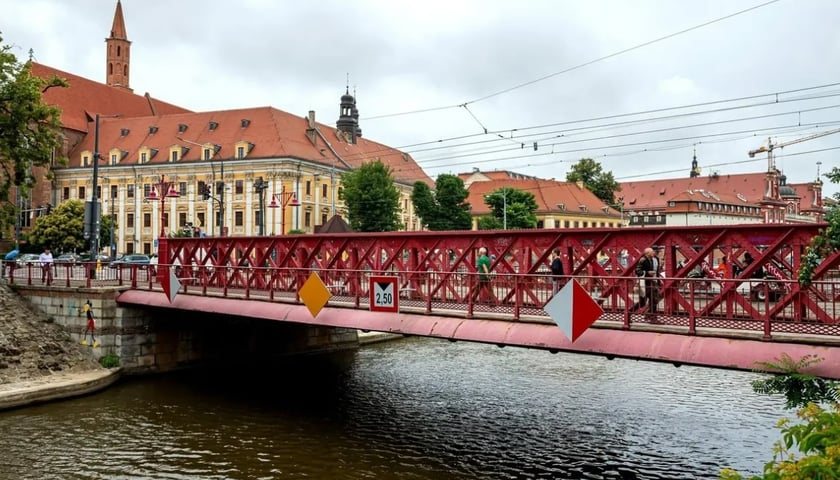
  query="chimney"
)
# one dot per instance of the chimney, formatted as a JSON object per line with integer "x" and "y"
{"x": 311, "y": 132}
{"x": 579, "y": 183}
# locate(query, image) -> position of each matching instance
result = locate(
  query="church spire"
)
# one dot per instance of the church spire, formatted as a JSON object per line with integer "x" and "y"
{"x": 348, "y": 119}
{"x": 118, "y": 52}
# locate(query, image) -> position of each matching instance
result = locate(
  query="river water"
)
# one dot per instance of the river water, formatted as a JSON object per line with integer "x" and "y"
{"x": 416, "y": 409}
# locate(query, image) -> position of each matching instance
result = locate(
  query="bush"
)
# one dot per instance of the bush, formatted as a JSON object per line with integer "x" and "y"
{"x": 110, "y": 361}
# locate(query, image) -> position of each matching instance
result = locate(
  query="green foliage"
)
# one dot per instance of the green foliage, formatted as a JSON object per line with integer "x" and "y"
{"x": 509, "y": 206}
{"x": 445, "y": 208}
{"x": 296, "y": 231}
{"x": 62, "y": 229}
{"x": 822, "y": 245}
{"x": 799, "y": 388}
{"x": 371, "y": 198}
{"x": 29, "y": 129}
{"x": 601, "y": 183}
{"x": 110, "y": 361}
{"x": 810, "y": 450}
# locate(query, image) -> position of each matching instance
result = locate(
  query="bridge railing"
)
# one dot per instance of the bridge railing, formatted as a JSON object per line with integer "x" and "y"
{"x": 766, "y": 306}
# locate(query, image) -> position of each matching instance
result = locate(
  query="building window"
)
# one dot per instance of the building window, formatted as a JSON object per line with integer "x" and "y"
{"x": 239, "y": 187}
{"x": 113, "y": 191}
{"x": 173, "y": 156}
{"x": 257, "y": 219}
{"x": 182, "y": 219}
{"x": 65, "y": 193}
{"x": 129, "y": 220}
{"x": 238, "y": 218}
{"x": 240, "y": 152}
{"x": 166, "y": 219}
{"x": 200, "y": 216}
{"x": 147, "y": 248}
{"x": 566, "y": 223}
{"x": 308, "y": 187}
{"x": 85, "y": 161}
{"x": 147, "y": 220}
{"x": 307, "y": 219}
{"x": 144, "y": 157}
{"x": 81, "y": 193}
{"x": 129, "y": 190}
{"x": 206, "y": 154}
{"x": 147, "y": 189}
{"x": 129, "y": 248}
{"x": 323, "y": 218}
{"x": 577, "y": 224}
{"x": 182, "y": 188}
{"x": 324, "y": 191}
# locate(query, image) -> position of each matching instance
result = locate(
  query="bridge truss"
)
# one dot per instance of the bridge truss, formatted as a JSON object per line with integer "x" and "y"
{"x": 437, "y": 273}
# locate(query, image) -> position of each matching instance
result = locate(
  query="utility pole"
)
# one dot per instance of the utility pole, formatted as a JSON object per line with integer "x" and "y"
{"x": 93, "y": 225}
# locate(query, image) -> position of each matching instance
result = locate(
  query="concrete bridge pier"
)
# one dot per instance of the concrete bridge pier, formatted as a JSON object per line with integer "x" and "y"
{"x": 159, "y": 340}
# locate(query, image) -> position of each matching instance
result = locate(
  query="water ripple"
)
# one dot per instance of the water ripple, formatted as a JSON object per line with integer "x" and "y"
{"x": 412, "y": 410}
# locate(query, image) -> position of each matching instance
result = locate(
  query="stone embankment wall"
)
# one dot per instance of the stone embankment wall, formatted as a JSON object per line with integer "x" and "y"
{"x": 158, "y": 340}
{"x": 32, "y": 345}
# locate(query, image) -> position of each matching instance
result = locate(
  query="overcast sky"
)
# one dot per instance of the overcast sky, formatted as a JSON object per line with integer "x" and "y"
{"x": 406, "y": 56}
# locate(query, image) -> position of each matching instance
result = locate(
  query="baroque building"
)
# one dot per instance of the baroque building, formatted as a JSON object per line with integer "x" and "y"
{"x": 229, "y": 168}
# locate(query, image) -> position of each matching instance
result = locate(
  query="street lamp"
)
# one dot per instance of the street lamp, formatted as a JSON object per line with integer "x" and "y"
{"x": 169, "y": 188}
{"x": 260, "y": 187}
{"x": 281, "y": 200}
{"x": 111, "y": 238}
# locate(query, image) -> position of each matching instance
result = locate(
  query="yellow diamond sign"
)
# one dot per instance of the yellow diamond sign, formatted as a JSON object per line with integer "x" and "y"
{"x": 314, "y": 294}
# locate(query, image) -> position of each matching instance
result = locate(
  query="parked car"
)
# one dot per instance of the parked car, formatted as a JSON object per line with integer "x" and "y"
{"x": 129, "y": 260}
{"x": 27, "y": 258}
{"x": 66, "y": 258}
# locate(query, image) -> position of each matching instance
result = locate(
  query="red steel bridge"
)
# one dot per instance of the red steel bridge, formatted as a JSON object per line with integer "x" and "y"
{"x": 262, "y": 276}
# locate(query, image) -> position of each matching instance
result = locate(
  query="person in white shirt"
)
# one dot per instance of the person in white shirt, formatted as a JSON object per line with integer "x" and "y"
{"x": 46, "y": 260}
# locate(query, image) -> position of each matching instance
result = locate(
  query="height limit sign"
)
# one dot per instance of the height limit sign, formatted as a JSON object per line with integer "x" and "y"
{"x": 383, "y": 294}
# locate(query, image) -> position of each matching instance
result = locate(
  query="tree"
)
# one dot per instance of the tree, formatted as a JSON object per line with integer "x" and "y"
{"x": 445, "y": 208}
{"x": 62, "y": 229}
{"x": 828, "y": 240}
{"x": 601, "y": 183}
{"x": 29, "y": 129}
{"x": 817, "y": 440}
{"x": 371, "y": 197}
{"x": 510, "y": 208}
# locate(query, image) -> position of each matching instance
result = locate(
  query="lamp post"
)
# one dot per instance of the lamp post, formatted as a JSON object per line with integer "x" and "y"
{"x": 260, "y": 186}
{"x": 282, "y": 200}
{"x": 169, "y": 188}
{"x": 93, "y": 218}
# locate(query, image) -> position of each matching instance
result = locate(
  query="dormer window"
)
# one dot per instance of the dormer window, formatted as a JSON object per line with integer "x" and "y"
{"x": 213, "y": 125}
{"x": 144, "y": 157}
{"x": 243, "y": 149}
{"x": 115, "y": 156}
{"x": 182, "y": 127}
{"x": 85, "y": 160}
{"x": 209, "y": 150}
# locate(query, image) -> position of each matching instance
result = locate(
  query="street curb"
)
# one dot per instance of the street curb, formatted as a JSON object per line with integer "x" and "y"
{"x": 61, "y": 386}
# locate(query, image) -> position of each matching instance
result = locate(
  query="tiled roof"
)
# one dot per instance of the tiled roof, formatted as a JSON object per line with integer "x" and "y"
{"x": 273, "y": 133}
{"x": 547, "y": 193}
{"x": 657, "y": 193}
{"x": 84, "y": 98}
{"x": 707, "y": 196}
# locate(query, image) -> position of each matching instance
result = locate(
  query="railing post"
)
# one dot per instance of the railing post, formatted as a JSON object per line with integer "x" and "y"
{"x": 692, "y": 320}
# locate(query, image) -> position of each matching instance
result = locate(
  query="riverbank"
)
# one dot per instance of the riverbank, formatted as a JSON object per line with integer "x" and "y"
{"x": 55, "y": 387}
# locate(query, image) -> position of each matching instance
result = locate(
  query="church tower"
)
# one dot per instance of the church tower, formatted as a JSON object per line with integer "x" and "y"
{"x": 118, "y": 52}
{"x": 348, "y": 119}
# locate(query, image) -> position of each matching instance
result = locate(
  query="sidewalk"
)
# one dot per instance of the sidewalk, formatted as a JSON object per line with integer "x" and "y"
{"x": 55, "y": 387}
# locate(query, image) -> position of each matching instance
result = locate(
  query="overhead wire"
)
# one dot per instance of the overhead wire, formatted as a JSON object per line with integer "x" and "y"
{"x": 579, "y": 66}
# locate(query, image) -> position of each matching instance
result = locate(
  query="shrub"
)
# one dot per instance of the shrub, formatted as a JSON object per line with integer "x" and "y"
{"x": 110, "y": 361}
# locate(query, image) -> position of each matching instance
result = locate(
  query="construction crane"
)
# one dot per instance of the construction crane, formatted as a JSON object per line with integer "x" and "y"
{"x": 771, "y": 164}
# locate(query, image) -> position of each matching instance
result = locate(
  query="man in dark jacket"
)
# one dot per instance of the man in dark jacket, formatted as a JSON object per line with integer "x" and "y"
{"x": 557, "y": 279}
{"x": 648, "y": 268}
